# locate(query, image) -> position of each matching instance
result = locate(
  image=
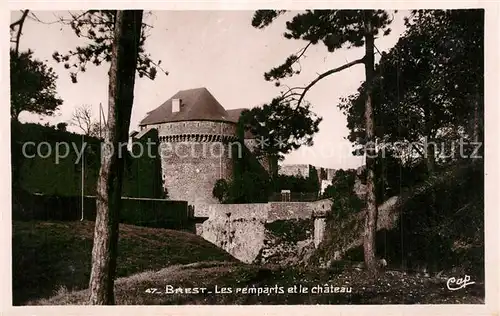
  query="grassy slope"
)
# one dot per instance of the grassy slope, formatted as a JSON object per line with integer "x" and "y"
{"x": 48, "y": 256}
{"x": 50, "y": 268}
{"x": 390, "y": 288}
{"x": 149, "y": 249}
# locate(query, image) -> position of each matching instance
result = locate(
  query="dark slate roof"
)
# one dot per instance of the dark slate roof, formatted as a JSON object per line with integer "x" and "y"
{"x": 234, "y": 114}
{"x": 196, "y": 104}
{"x": 142, "y": 133}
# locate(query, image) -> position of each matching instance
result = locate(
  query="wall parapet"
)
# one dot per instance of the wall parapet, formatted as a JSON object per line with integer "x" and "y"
{"x": 271, "y": 211}
{"x": 197, "y": 127}
{"x": 199, "y": 138}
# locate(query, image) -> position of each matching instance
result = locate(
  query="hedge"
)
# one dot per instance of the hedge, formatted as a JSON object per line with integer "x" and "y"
{"x": 142, "y": 175}
{"x": 156, "y": 213}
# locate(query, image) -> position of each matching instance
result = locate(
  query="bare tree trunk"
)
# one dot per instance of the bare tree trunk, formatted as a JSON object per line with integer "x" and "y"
{"x": 16, "y": 155}
{"x": 370, "y": 231}
{"x": 430, "y": 149}
{"x": 272, "y": 161}
{"x": 16, "y": 158}
{"x": 478, "y": 125}
{"x": 121, "y": 96}
{"x": 430, "y": 157}
{"x": 19, "y": 22}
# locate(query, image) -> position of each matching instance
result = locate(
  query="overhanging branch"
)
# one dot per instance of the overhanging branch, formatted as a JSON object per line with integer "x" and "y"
{"x": 326, "y": 74}
{"x": 303, "y": 50}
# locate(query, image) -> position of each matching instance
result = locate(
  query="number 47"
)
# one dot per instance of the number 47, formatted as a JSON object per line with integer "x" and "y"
{"x": 151, "y": 290}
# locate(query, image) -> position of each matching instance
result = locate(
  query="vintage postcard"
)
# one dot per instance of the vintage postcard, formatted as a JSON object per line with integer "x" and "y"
{"x": 328, "y": 159}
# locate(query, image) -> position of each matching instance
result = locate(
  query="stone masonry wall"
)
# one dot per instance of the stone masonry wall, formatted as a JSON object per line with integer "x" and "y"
{"x": 277, "y": 232}
{"x": 283, "y": 232}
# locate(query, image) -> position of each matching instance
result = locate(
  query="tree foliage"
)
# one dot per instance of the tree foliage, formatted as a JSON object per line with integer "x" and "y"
{"x": 280, "y": 128}
{"x": 32, "y": 86}
{"x": 427, "y": 86}
{"x": 97, "y": 27}
{"x": 83, "y": 118}
{"x": 249, "y": 187}
{"x": 335, "y": 29}
{"x": 314, "y": 184}
{"x": 338, "y": 29}
{"x": 62, "y": 126}
{"x": 341, "y": 191}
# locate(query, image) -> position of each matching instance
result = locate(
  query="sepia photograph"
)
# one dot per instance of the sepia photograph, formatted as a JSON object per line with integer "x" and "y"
{"x": 248, "y": 157}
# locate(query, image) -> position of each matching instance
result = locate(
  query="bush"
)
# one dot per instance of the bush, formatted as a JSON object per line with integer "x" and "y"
{"x": 341, "y": 191}
{"x": 221, "y": 190}
{"x": 250, "y": 187}
{"x": 293, "y": 230}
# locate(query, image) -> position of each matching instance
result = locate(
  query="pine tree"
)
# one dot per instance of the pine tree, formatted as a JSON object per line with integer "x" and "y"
{"x": 337, "y": 29}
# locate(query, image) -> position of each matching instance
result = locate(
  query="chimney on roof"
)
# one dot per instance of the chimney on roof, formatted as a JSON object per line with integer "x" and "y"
{"x": 176, "y": 105}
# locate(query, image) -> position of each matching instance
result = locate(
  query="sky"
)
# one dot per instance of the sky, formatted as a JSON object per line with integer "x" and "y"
{"x": 221, "y": 51}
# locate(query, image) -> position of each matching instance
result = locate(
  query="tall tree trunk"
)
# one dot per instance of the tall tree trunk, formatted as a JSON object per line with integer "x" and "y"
{"x": 272, "y": 165}
{"x": 479, "y": 123}
{"x": 430, "y": 149}
{"x": 121, "y": 95}
{"x": 475, "y": 127}
{"x": 16, "y": 154}
{"x": 371, "y": 203}
{"x": 272, "y": 161}
{"x": 430, "y": 156}
{"x": 19, "y": 22}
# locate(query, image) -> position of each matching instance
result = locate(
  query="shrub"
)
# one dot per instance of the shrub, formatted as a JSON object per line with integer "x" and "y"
{"x": 341, "y": 191}
{"x": 221, "y": 190}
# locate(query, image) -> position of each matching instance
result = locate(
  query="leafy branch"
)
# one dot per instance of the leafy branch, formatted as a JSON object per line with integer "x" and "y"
{"x": 97, "y": 26}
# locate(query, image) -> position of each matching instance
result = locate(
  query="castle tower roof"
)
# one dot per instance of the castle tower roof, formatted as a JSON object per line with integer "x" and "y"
{"x": 195, "y": 104}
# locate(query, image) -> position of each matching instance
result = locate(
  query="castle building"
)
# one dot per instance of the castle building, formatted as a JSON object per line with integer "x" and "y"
{"x": 197, "y": 143}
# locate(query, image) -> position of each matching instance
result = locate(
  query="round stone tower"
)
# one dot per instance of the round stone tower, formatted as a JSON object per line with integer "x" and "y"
{"x": 197, "y": 144}
{"x": 195, "y": 154}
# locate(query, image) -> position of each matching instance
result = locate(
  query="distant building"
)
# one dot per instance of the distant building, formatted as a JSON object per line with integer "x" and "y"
{"x": 324, "y": 185}
{"x": 330, "y": 173}
{"x": 303, "y": 170}
{"x": 298, "y": 170}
